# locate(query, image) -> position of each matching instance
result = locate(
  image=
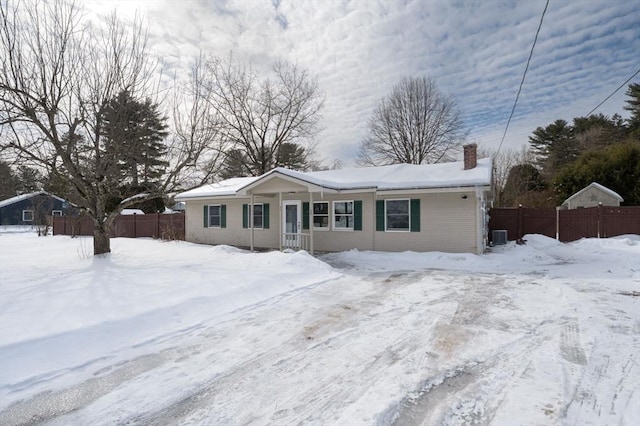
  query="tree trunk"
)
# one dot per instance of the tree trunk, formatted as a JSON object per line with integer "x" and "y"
{"x": 101, "y": 241}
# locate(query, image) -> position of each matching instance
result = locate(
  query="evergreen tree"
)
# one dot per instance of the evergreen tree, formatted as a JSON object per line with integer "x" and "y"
{"x": 292, "y": 156}
{"x": 633, "y": 105}
{"x": 29, "y": 179}
{"x": 8, "y": 181}
{"x": 134, "y": 132}
{"x": 523, "y": 180}
{"x": 597, "y": 131}
{"x": 616, "y": 167}
{"x": 554, "y": 146}
{"x": 235, "y": 164}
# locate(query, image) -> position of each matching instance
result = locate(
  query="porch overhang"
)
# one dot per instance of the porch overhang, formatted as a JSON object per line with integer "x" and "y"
{"x": 276, "y": 182}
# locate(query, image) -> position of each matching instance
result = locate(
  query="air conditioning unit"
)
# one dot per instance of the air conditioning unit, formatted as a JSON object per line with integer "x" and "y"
{"x": 499, "y": 237}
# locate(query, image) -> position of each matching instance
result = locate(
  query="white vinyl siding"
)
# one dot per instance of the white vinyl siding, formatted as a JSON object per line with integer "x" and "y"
{"x": 448, "y": 224}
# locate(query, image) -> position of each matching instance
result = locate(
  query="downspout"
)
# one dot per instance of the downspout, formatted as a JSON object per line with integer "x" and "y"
{"x": 280, "y": 221}
{"x": 480, "y": 221}
{"x": 373, "y": 227}
{"x": 310, "y": 222}
{"x": 250, "y": 220}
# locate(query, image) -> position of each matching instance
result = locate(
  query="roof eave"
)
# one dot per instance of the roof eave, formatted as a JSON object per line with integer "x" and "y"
{"x": 434, "y": 189}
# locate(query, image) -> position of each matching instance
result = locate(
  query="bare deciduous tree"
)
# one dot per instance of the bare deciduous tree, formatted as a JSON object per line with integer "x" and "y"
{"x": 196, "y": 148}
{"x": 503, "y": 162}
{"x": 415, "y": 123}
{"x": 57, "y": 76}
{"x": 260, "y": 116}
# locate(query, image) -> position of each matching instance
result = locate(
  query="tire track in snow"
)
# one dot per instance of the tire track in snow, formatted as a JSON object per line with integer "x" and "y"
{"x": 472, "y": 393}
{"x": 327, "y": 332}
{"x": 332, "y": 320}
{"x": 570, "y": 347}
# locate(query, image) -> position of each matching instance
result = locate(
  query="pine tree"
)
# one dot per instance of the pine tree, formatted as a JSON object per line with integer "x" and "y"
{"x": 554, "y": 146}
{"x": 292, "y": 156}
{"x": 8, "y": 181}
{"x": 234, "y": 165}
{"x": 134, "y": 132}
{"x": 633, "y": 105}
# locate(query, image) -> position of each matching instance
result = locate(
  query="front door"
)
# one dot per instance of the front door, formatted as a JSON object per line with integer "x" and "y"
{"x": 291, "y": 224}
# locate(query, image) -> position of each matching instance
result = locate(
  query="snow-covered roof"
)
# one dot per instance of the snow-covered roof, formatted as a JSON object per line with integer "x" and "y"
{"x": 596, "y": 185}
{"x": 129, "y": 212}
{"x": 381, "y": 178}
{"x": 21, "y": 197}
{"x": 227, "y": 187}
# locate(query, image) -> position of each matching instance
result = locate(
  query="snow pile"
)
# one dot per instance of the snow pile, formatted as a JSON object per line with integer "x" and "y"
{"x": 180, "y": 333}
{"x": 540, "y": 255}
{"x": 62, "y": 307}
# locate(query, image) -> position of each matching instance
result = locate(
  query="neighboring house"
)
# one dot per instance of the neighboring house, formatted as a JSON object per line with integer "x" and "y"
{"x": 437, "y": 207}
{"x": 591, "y": 196}
{"x": 31, "y": 209}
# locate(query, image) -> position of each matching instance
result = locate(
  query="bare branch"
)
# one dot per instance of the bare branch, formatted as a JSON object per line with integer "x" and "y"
{"x": 414, "y": 124}
{"x": 258, "y": 117}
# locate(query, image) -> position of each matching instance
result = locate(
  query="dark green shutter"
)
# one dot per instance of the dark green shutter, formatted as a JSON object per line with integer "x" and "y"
{"x": 357, "y": 215}
{"x": 205, "y": 214}
{"x": 415, "y": 215}
{"x": 305, "y": 215}
{"x": 245, "y": 216}
{"x": 265, "y": 215}
{"x": 380, "y": 215}
{"x": 223, "y": 216}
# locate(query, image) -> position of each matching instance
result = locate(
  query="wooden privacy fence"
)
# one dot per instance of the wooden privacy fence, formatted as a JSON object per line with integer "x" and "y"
{"x": 566, "y": 225}
{"x": 154, "y": 225}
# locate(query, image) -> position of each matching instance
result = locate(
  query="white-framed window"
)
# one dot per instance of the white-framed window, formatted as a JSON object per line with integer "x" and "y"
{"x": 343, "y": 215}
{"x": 397, "y": 215}
{"x": 321, "y": 215}
{"x": 56, "y": 213}
{"x": 215, "y": 216}
{"x": 27, "y": 215}
{"x": 258, "y": 216}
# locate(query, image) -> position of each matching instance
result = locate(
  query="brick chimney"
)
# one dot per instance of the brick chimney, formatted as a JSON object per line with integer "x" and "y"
{"x": 470, "y": 156}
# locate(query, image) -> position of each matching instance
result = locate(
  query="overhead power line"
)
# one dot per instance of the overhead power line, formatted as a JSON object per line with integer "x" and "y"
{"x": 523, "y": 77}
{"x": 614, "y": 92}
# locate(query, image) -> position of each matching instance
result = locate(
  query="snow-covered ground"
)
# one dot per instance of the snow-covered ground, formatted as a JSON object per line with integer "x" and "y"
{"x": 177, "y": 333}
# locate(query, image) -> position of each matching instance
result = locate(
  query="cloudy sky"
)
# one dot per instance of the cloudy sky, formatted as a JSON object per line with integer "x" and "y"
{"x": 476, "y": 51}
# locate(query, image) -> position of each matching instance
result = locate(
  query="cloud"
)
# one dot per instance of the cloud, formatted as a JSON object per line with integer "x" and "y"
{"x": 475, "y": 50}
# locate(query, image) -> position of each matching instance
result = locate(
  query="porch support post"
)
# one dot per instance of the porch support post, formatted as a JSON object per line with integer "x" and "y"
{"x": 250, "y": 219}
{"x": 311, "y": 222}
{"x": 280, "y": 221}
